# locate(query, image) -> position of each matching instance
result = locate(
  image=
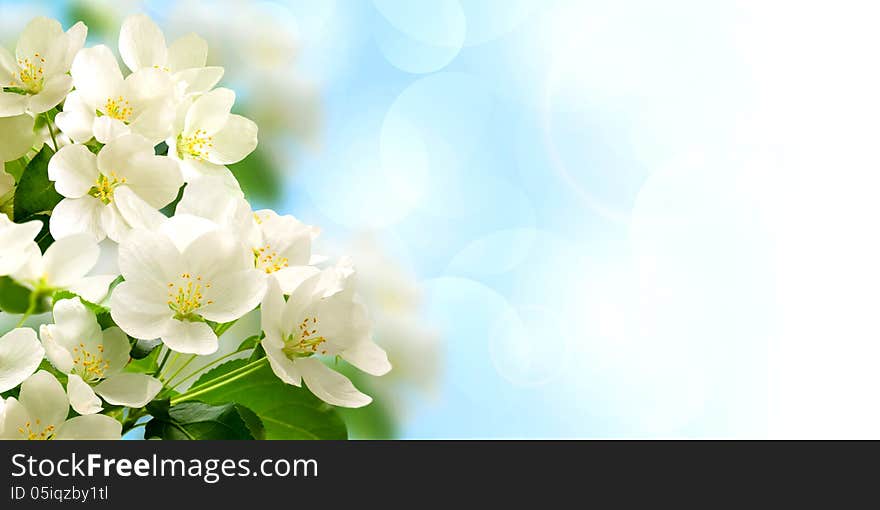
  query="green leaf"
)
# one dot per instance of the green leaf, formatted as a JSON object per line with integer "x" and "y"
{"x": 249, "y": 343}
{"x": 13, "y": 297}
{"x": 287, "y": 412}
{"x": 16, "y": 168}
{"x": 92, "y": 307}
{"x": 197, "y": 420}
{"x": 145, "y": 365}
{"x": 258, "y": 176}
{"x": 142, "y": 348}
{"x": 35, "y": 196}
{"x": 169, "y": 209}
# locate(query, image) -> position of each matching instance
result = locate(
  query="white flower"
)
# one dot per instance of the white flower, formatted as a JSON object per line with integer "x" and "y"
{"x": 141, "y": 103}
{"x": 177, "y": 278}
{"x": 100, "y": 189}
{"x": 142, "y": 45}
{"x": 65, "y": 266}
{"x": 20, "y": 355}
{"x": 18, "y": 136}
{"x": 36, "y": 79}
{"x": 40, "y": 412}
{"x": 76, "y": 345}
{"x": 321, "y": 318}
{"x": 16, "y": 241}
{"x": 281, "y": 245}
{"x": 211, "y": 136}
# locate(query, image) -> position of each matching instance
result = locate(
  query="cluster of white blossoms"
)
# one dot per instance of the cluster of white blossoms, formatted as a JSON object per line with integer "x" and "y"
{"x": 125, "y": 145}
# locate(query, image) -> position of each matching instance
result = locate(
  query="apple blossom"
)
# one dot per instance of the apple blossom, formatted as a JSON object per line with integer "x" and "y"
{"x": 321, "y": 318}
{"x": 75, "y": 345}
{"x": 65, "y": 265}
{"x": 40, "y": 413}
{"x": 178, "y": 278}
{"x": 142, "y": 45}
{"x": 36, "y": 79}
{"x": 92, "y": 184}
{"x": 109, "y": 106}
{"x": 211, "y": 137}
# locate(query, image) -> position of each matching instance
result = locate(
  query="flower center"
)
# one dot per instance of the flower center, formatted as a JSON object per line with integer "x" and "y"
{"x": 304, "y": 342}
{"x": 268, "y": 260}
{"x": 37, "y": 432}
{"x": 104, "y": 186}
{"x": 195, "y": 145}
{"x": 185, "y": 296}
{"x": 118, "y": 108}
{"x": 90, "y": 367}
{"x": 30, "y": 73}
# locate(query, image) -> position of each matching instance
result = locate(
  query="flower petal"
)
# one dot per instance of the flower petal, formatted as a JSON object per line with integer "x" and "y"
{"x": 190, "y": 337}
{"x": 139, "y": 310}
{"x": 286, "y": 369}
{"x": 74, "y": 169}
{"x": 200, "y": 79}
{"x": 289, "y": 278}
{"x": 82, "y": 398}
{"x": 92, "y": 426}
{"x": 37, "y": 38}
{"x": 93, "y": 288}
{"x": 113, "y": 223}
{"x": 116, "y": 350}
{"x": 187, "y": 52}
{"x": 77, "y": 119}
{"x": 56, "y": 353}
{"x": 18, "y": 136}
{"x": 147, "y": 256}
{"x": 367, "y": 356}
{"x": 96, "y": 75}
{"x": 136, "y": 213}
{"x": 330, "y": 386}
{"x": 233, "y": 295}
{"x": 209, "y": 112}
{"x": 74, "y": 323}
{"x": 129, "y": 389}
{"x": 107, "y": 129}
{"x": 20, "y": 355}
{"x": 271, "y": 310}
{"x": 53, "y": 92}
{"x": 234, "y": 141}
{"x": 44, "y": 398}
{"x": 141, "y": 43}
{"x": 69, "y": 259}
{"x": 12, "y": 104}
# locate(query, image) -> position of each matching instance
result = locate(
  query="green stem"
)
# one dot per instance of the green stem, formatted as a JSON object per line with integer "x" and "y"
{"x": 220, "y": 381}
{"x": 179, "y": 370}
{"x": 202, "y": 368}
{"x": 169, "y": 365}
{"x": 32, "y": 306}
{"x": 162, "y": 363}
{"x": 51, "y": 131}
{"x": 223, "y": 328}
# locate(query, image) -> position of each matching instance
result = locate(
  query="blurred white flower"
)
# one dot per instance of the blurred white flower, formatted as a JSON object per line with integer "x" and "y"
{"x": 75, "y": 345}
{"x": 105, "y": 194}
{"x": 65, "y": 266}
{"x": 211, "y": 136}
{"x": 321, "y": 318}
{"x": 20, "y": 355}
{"x": 35, "y": 80}
{"x": 40, "y": 413}
{"x": 142, "y": 45}
{"x": 178, "y": 278}
{"x": 15, "y": 243}
{"x": 108, "y": 106}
